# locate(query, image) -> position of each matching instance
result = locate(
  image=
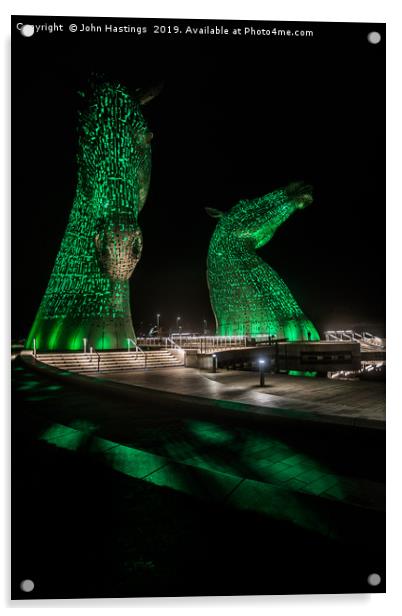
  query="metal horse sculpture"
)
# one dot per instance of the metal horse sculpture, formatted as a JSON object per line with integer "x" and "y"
{"x": 87, "y": 296}
{"x": 248, "y": 297}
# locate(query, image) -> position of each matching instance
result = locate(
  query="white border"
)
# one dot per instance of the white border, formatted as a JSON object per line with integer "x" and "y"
{"x": 286, "y": 10}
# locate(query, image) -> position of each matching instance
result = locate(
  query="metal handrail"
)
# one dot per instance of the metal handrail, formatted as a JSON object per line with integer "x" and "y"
{"x": 365, "y": 338}
{"x": 210, "y": 343}
{"x": 138, "y": 349}
{"x": 91, "y": 351}
{"x": 205, "y": 344}
{"x": 174, "y": 344}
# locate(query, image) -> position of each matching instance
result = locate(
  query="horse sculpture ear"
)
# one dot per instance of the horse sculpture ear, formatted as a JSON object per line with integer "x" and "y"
{"x": 144, "y": 95}
{"x": 211, "y": 211}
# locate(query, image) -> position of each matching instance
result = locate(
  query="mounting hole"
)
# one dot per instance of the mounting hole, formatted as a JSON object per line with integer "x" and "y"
{"x": 374, "y": 579}
{"x": 27, "y": 585}
{"x": 374, "y": 37}
{"x": 27, "y": 30}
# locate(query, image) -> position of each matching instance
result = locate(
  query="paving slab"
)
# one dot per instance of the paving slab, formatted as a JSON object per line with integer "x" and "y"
{"x": 133, "y": 462}
{"x": 198, "y": 482}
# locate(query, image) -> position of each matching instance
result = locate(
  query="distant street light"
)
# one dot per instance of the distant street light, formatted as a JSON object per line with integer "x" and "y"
{"x": 158, "y": 316}
{"x": 205, "y": 327}
{"x": 178, "y": 319}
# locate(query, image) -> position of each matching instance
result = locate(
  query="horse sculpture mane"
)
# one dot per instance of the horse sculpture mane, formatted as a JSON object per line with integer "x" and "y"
{"x": 88, "y": 292}
{"x": 248, "y": 297}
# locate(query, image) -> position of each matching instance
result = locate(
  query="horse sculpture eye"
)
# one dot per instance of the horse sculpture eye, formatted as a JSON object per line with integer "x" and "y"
{"x": 137, "y": 245}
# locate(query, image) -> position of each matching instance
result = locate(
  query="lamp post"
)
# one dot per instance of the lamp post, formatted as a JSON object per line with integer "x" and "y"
{"x": 205, "y": 327}
{"x": 178, "y": 319}
{"x": 261, "y": 363}
{"x": 85, "y": 345}
{"x": 214, "y": 363}
{"x": 158, "y": 316}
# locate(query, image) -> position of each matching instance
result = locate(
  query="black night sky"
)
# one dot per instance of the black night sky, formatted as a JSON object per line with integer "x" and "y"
{"x": 237, "y": 118}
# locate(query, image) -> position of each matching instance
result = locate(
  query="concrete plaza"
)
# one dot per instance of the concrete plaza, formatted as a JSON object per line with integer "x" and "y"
{"x": 359, "y": 403}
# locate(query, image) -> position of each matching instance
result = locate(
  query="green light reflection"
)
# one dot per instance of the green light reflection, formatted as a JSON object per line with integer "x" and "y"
{"x": 277, "y": 492}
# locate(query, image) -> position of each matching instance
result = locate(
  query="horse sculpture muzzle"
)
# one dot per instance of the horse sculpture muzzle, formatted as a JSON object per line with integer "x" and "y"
{"x": 119, "y": 251}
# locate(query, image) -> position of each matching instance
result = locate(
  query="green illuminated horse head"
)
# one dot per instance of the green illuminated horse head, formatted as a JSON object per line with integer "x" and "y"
{"x": 248, "y": 297}
{"x": 88, "y": 291}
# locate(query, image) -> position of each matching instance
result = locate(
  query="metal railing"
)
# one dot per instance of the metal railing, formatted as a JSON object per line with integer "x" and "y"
{"x": 365, "y": 339}
{"x": 173, "y": 344}
{"x": 91, "y": 352}
{"x": 210, "y": 344}
{"x": 137, "y": 349}
{"x": 152, "y": 341}
{"x": 203, "y": 344}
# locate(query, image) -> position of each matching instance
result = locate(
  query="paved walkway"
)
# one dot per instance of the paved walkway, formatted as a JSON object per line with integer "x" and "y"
{"x": 359, "y": 403}
{"x": 127, "y": 476}
{"x": 158, "y": 495}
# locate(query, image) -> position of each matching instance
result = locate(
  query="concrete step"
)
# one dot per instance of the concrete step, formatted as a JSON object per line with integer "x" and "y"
{"x": 66, "y": 356}
{"x": 112, "y": 361}
{"x": 110, "y": 354}
{"x": 86, "y": 358}
{"x": 103, "y": 360}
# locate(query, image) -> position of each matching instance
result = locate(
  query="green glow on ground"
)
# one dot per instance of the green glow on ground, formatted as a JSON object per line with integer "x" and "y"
{"x": 301, "y": 373}
{"x": 210, "y": 433}
{"x": 31, "y": 384}
{"x": 134, "y": 462}
{"x": 276, "y": 492}
{"x": 248, "y": 297}
{"x": 198, "y": 482}
{"x": 84, "y": 425}
{"x": 64, "y": 437}
{"x": 28, "y": 385}
{"x": 88, "y": 292}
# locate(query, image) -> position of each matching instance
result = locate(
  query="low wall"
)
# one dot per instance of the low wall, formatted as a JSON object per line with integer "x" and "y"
{"x": 232, "y": 358}
{"x": 302, "y": 356}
